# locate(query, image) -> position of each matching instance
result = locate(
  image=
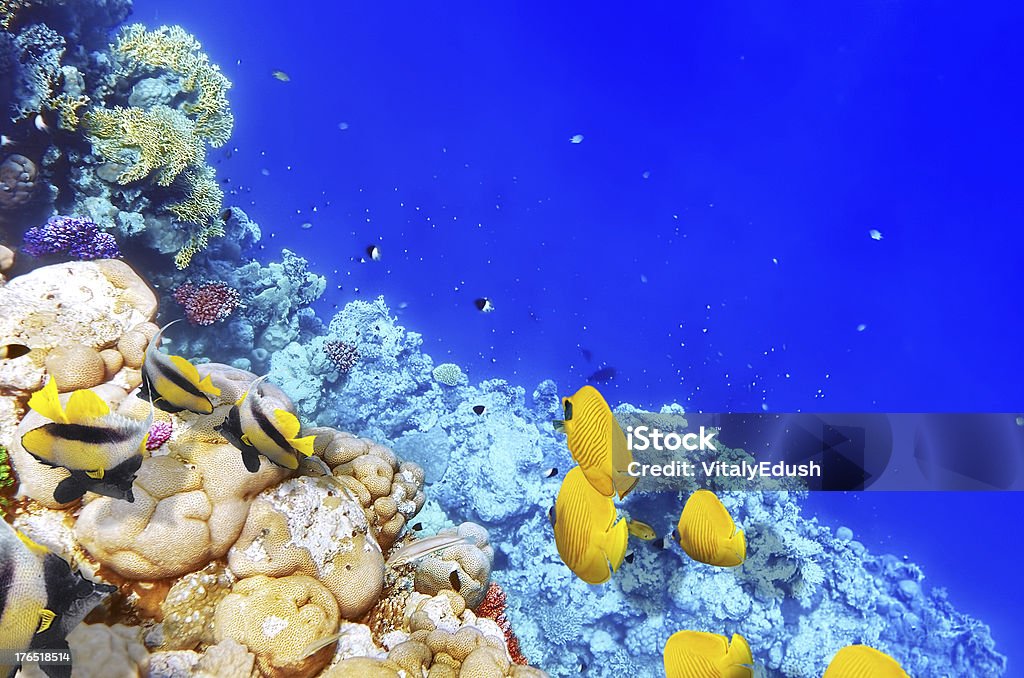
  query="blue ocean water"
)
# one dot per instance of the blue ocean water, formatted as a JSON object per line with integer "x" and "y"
{"x": 708, "y": 237}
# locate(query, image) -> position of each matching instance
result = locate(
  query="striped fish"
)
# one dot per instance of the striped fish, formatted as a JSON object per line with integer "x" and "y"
{"x": 861, "y": 661}
{"x": 707, "y": 533}
{"x": 41, "y": 600}
{"x": 695, "y": 654}
{"x": 596, "y": 442}
{"x": 256, "y": 428}
{"x": 172, "y": 383}
{"x": 588, "y": 539}
{"x": 101, "y": 449}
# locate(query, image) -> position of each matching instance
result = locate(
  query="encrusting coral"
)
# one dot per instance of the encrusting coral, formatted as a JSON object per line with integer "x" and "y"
{"x": 464, "y": 569}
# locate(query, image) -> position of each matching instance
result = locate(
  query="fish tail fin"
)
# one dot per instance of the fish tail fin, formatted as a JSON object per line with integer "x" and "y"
{"x": 615, "y": 544}
{"x": 624, "y": 484}
{"x": 738, "y": 544}
{"x": 46, "y": 402}
{"x": 738, "y": 658}
{"x": 304, "y": 446}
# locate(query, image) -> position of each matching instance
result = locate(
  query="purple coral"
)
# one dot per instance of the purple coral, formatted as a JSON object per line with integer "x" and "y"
{"x": 343, "y": 356}
{"x": 159, "y": 434}
{"x": 80, "y": 238}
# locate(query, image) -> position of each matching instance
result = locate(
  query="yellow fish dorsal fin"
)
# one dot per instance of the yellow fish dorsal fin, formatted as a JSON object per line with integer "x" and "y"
{"x": 84, "y": 405}
{"x": 187, "y": 369}
{"x": 32, "y": 546}
{"x": 206, "y": 386}
{"x": 304, "y": 446}
{"x": 46, "y": 618}
{"x": 46, "y": 402}
{"x": 95, "y": 475}
{"x": 287, "y": 423}
{"x": 865, "y": 659}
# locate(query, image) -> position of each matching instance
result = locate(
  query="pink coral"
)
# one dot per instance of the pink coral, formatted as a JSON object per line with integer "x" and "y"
{"x": 159, "y": 434}
{"x": 493, "y": 607}
{"x": 207, "y": 303}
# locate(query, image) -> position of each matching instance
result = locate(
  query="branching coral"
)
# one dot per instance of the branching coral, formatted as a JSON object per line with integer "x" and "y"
{"x": 159, "y": 140}
{"x": 172, "y": 48}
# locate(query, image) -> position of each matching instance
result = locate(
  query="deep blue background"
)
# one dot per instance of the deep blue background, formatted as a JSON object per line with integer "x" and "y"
{"x": 772, "y": 132}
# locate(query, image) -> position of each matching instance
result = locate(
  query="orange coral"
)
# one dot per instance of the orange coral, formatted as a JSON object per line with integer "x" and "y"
{"x": 493, "y": 607}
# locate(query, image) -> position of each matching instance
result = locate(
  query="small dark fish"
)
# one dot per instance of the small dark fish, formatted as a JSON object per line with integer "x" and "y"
{"x": 630, "y": 557}
{"x": 12, "y": 351}
{"x": 583, "y": 667}
{"x": 453, "y": 579}
{"x": 226, "y": 215}
{"x": 479, "y": 409}
{"x": 587, "y": 354}
{"x": 551, "y": 472}
{"x": 418, "y": 526}
{"x": 373, "y": 252}
{"x": 662, "y": 543}
{"x": 603, "y": 375}
{"x": 551, "y": 514}
{"x": 484, "y": 305}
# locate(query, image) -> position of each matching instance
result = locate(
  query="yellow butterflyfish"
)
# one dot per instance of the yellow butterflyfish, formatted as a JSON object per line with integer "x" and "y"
{"x": 707, "y": 533}
{"x": 696, "y": 654}
{"x": 861, "y": 661}
{"x": 596, "y": 442}
{"x": 588, "y": 539}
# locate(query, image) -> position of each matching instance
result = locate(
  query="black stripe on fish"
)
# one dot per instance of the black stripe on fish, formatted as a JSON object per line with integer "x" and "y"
{"x": 270, "y": 430}
{"x": 71, "y": 488}
{"x": 91, "y": 435}
{"x": 179, "y": 380}
{"x": 231, "y": 429}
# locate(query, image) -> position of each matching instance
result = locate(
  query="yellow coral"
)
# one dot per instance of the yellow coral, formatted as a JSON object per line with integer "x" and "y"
{"x": 159, "y": 139}
{"x": 67, "y": 110}
{"x": 172, "y": 48}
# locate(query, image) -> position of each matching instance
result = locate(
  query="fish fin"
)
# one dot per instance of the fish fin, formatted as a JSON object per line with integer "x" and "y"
{"x": 251, "y": 459}
{"x": 739, "y": 653}
{"x": 320, "y": 644}
{"x": 206, "y": 386}
{"x": 187, "y": 369}
{"x": 32, "y": 546}
{"x": 287, "y": 423}
{"x": 245, "y": 440}
{"x": 68, "y": 490}
{"x": 303, "y": 446}
{"x": 95, "y": 475}
{"x": 426, "y": 546}
{"x": 143, "y": 445}
{"x": 84, "y": 405}
{"x": 615, "y": 544}
{"x": 46, "y": 618}
{"x": 46, "y": 402}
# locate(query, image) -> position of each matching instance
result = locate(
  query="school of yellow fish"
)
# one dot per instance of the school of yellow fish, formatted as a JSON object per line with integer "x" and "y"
{"x": 592, "y": 542}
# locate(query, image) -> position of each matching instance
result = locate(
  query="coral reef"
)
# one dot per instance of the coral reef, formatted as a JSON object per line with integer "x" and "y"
{"x": 78, "y": 238}
{"x": 343, "y": 356}
{"x": 207, "y": 303}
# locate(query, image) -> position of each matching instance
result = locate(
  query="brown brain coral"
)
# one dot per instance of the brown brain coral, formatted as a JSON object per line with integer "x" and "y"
{"x": 390, "y": 492}
{"x": 465, "y": 569}
{"x": 75, "y": 367}
{"x": 277, "y": 618}
{"x": 307, "y": 525}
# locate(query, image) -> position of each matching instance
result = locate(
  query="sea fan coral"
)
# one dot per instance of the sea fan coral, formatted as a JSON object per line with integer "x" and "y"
{"x": 80, "y": 238}
{"x": 493, "y": 607}
{"x": 343, "y": 356}
{"x": 207, "y": 303}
